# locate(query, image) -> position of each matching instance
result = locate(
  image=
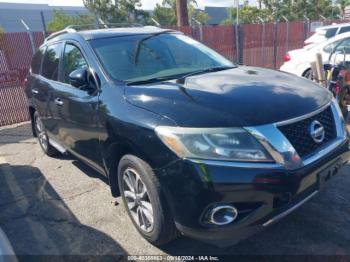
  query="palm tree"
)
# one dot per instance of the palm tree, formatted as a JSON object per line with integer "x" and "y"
{"x": 343, "y": 4}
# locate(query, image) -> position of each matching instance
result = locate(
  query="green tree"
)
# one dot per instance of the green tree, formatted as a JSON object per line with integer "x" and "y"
{"x": 247, "y": 15}
{"x": 297, "y": 9}
{"x": 118, "y": 11}
{"x": 165, "y": 13}
{"x": 61, "y": 20}
{"x": 2, "y": 38}
{"x": 342, "y": 4}
{"x": 196, "y": 14}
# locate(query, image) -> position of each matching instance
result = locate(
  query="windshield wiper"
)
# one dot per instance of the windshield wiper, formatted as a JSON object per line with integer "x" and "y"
{"x": 138, "y": 45}
{"x": 203, "y": 71}
{"x": 179, "y": 78}
{"x": 206, "y": 70}
{"x": 150, "y": 80}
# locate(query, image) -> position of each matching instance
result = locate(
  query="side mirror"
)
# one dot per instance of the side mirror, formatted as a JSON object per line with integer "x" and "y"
{"x": 79, "y": 78}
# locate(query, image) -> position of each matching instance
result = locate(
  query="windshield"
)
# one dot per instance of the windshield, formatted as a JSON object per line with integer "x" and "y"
{"x": 141, "y": 57}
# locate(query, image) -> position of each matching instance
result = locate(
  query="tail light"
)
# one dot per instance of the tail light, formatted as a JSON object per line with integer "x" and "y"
{"x": 286, "y": 57}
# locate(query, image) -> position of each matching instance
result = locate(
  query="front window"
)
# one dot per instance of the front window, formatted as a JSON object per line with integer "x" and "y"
{"x": 140, "y": 57}
{"x": 73, "y": 59}
{"x": 331, "y": 32}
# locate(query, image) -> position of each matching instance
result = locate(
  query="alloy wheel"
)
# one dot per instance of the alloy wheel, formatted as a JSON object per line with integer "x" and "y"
{"x": 137, "y": 200}
{"x": 42, "y": 136}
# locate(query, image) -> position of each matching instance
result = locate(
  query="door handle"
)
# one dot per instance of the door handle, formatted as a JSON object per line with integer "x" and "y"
{"x": 58, "y": 101}
{"x": 35, "y": 91}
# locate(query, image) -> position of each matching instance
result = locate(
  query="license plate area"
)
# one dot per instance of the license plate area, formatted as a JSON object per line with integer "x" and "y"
{"x": 326, "y": 174}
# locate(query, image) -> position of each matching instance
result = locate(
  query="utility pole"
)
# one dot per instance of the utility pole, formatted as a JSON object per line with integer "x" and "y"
{"x": 182, "y": 13}
{"x": 237, "y": 12}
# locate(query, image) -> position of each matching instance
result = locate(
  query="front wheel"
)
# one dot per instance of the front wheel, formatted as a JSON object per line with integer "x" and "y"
{"x": 43, "y": 137}
{"x": 144, "y": 201}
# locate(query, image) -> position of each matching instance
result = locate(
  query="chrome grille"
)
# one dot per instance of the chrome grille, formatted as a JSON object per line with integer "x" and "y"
{"x": 298, "y": 133}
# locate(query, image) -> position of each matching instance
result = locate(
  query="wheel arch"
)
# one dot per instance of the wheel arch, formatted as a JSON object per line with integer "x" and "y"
{"x": 113, "y": 149}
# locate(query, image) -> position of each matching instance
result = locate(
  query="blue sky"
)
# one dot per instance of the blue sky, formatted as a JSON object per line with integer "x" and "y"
{"x": 146, "y": 4}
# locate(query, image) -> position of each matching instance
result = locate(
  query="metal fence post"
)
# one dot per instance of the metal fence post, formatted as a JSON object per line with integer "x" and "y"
{"x": 241, "y": 43}
{"x": 200, "y": 26}
{"x": 274, "y": 51}
{"x": 30, "y": 35}
{"x": 237, "y": 43}
{"x": 43, "y": 22}
{"x": 306, "y": 27}
{"x": 287, "y": 33}
{"x": 262, "y": 41}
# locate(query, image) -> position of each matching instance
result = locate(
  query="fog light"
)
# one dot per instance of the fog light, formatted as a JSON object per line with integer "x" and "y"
{"x": 222, "y": 215}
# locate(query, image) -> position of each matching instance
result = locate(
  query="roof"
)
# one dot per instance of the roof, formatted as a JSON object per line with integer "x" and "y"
{"x": 123, "y": 31}
{"x": 109, "y": 32}
{"x": 333, "y": 26}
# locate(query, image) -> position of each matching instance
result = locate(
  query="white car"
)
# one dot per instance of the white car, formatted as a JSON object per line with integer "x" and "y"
{"x": 298, "y": 61}
{"x": 326, "y": 32}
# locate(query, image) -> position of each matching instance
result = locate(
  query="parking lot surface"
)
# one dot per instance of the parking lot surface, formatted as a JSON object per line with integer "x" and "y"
{"x": 59, "y": 206}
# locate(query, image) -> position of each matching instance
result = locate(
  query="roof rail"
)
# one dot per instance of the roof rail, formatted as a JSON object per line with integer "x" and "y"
{"x": 100, "y": 25}
{"x": 64, "y": 31}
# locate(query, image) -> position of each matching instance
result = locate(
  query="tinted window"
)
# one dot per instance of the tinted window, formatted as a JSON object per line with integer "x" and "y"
{"x": 51, "y": 61}
{"x": 142, "y": 57}
{"x": 344, "y": 46}
{"x": 331, "y": 32}
{"x": 73, "y": 59}
{"x": 329, "y": 48}
{"x": 36, "y": 62}
{"x": 344, "y": 29}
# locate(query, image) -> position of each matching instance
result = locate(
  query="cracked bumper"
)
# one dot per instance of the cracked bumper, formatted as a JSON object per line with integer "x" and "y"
{"x": 191, "y": 187}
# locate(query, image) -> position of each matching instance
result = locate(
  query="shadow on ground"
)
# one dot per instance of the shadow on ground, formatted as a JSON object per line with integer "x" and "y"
{"x": 16, "y": 134}
{"x": 38, "y": 222}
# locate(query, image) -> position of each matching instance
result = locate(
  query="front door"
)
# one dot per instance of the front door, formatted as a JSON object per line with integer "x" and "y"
{"x": 78, "y": 111}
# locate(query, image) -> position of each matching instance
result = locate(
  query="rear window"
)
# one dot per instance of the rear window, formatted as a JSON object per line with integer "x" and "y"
{"x": 344, "y": 29}
{"x": 331, "y": 32}
{"x": 51, "y": 61}
{"x": 36, "y": 61}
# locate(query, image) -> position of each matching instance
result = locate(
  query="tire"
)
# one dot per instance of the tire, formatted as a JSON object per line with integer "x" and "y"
{"x": 308, "y": 74}
{"x": 163, "y": 229}
{"x": 43, "y": 138}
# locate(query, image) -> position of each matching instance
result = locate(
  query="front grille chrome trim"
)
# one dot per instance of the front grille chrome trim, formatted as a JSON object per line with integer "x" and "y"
{"x": 283, "y": 151}
{"x": 300, "y": 118}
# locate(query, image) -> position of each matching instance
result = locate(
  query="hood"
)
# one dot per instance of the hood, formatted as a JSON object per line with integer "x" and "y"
{"x": 243, "y": 96}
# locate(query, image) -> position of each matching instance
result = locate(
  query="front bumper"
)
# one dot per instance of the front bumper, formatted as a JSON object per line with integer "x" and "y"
{"x": 262, "y": 195}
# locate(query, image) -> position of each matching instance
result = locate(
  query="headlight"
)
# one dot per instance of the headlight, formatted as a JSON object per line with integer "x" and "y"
{"x": 234, "y": 144}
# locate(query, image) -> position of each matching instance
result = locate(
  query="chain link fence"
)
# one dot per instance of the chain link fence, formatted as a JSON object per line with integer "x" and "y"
{"x": 261, "y": 45}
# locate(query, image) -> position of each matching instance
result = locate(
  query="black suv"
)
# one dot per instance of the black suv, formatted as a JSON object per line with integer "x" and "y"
{"x": 192, "y": 142}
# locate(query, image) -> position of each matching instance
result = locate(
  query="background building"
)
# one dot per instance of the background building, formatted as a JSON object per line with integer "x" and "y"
{"x": 12, "y": 13}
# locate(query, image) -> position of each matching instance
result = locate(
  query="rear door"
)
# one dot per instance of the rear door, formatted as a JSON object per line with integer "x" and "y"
{"x": 78, "y": 112}
{"x": 44, "y": 88}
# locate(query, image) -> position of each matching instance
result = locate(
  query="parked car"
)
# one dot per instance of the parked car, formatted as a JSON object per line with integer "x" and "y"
{"x": 326, "y": 32}
{"x": 298, "y": 61}
{"x": 192, "y": 142}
